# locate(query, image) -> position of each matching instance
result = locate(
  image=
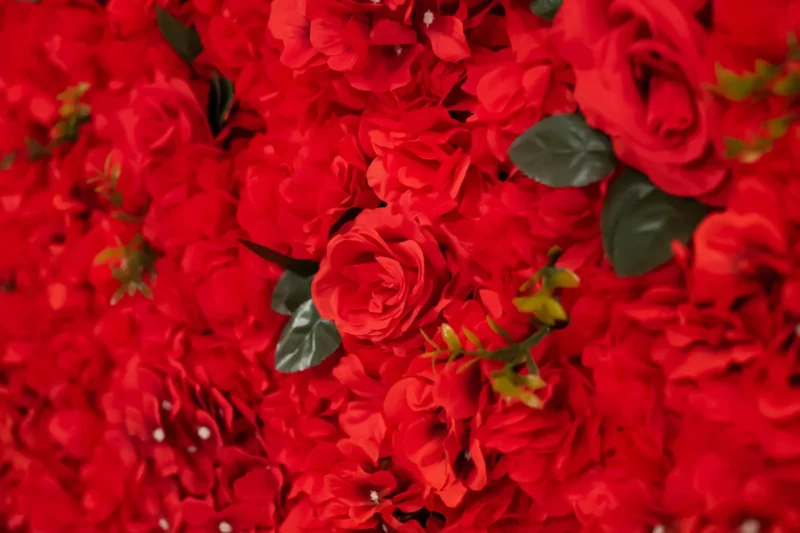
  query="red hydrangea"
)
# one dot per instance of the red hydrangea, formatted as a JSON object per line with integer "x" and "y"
{"x": 147, "y": 147}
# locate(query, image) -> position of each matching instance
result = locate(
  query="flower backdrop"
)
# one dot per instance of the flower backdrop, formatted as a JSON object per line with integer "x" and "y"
{"x": 457, "y": 266}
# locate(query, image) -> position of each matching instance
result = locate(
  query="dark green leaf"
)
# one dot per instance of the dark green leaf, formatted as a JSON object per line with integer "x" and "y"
{"x": 306, "y": 341}
{"x": 546, "y": 8}
{"x": 298, "y": 266}
{"x": 639, "y": 223}
{"x": 626, "y": 190}
{"x": 35, "y": 150}
{"x": 182, "y": 39}
{"x": 220, "y": 100}
{"x": 291, "y": 291}
{"x": 563, "y": 151}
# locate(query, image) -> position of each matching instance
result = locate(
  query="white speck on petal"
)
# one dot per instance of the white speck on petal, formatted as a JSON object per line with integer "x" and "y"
{"x": 373, "y": 495}
{"x": 203, "y": 432}
{"x": 191, "y": 449}
{"x": 163, "y": 524}
{"x": 398, "y": 49}
{"x": 751, "y": 525}
{"x": 225, "y": 527}
{"x": 375, "y": 1}
{"x": 166, "y": 405}
{"x": 468, "y": 456}
{"x": 384, "y": 528}
{"x": 427, "y": 18}
{"x": 660, "y": 529}
{"x": 159, "y": 435}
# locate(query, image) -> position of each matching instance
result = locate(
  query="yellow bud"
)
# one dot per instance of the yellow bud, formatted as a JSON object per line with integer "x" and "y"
{"x": 552, "y": 312}
{"x": 534, "y": 382}
{"x": 563, "y": 279}
{"x": 504, "y": 387}
{"x": 451, "y": 338}
{"x": 531, "y": 400}
{"x": 531, "y": 304}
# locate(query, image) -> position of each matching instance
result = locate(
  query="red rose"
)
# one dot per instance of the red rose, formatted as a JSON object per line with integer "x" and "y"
{"x": 382, "y": 279}
{"x": 158, "y": 119}
{"x": 638, "y": 78}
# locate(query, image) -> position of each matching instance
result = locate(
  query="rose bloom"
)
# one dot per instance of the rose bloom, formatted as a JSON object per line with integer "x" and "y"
{"x": 638, "y": 78}
{"x": 158, "y": 119}
{"x": 381, "y": 279}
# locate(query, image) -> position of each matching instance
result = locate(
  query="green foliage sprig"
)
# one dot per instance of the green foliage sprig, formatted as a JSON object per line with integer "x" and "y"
{"x": 539, "y": 299}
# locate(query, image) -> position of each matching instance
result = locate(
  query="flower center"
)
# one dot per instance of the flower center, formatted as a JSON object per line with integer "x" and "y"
{"x": 163, "y": 524}
{"x": 159, "y": 435}
{"x": 398, "y": 49}
{"x": 751, "y": 525}
{"x": 427, "y": 18}
{"x": 225, "y": 527}
{"x": 373, "y": 495}
{"x": 203, "y": 432}
{"x": 166, "y": 405}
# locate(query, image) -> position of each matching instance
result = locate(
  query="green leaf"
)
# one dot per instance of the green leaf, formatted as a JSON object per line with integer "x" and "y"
{"x": 104, "y": 256}
{"x": 789, "y": 85}
{"x": 298, "y": 266}
{"x": 639, "y": 223}
{"x": 627, "y": 189}
{"x": 7, "y": 160}
{"x": 220, "y": 100}
{"x": 306, "y": 341}
{"x": 546, "y": 8}
{"x": 563, "y": 151}
{"x": 182, "y": 39}
{"x": 738, "y": 87}
{"x": 778, "y": 127}
{"x": 118, "y": 294}
{"x": 145, "y": 290}
{"x": 125, "y": 217}
{"x": 35, "y": 150}
{"x": 290, "y": 292}
{"x": 733, "y": 146}
{"x": 794, "y": 47}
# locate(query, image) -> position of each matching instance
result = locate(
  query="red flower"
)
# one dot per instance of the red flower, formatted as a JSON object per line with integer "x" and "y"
{"x": 157, "y": 118}
{"x": 355, "y": 495}
{"x": 326, "y": 177}
{"x": 638, "y": 78}
{"x": 193, "y": 200}
{"x": 423, "y": 163}
{"x": 515, "y": 87}
{"x": 739, "y": 250}
{"x": 382, "y": 279}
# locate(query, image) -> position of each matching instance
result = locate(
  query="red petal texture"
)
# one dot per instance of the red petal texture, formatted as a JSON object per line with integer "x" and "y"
{"x": 138, "y": 390}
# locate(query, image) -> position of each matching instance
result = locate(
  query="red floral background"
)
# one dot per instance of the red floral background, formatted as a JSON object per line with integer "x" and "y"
{"x": 672, "y": 400}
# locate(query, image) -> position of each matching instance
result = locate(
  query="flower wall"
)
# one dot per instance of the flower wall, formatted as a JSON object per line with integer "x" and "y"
{"x": 453, "y": 266}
